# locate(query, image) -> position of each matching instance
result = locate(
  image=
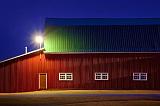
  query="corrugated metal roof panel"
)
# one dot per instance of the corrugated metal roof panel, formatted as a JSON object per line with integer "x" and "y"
{"x": 102, "y": 38}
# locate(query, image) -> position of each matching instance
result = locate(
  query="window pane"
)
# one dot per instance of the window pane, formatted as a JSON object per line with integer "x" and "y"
{"x": 62, "y": 77}
{"x": 62, "y": 74}
{"x": 69, "y": 74}
{"x": 143, "y": 74}
{"x": 104, "y": 77}
{"x": 98, "y": 74}
{"x": 143, "y": 77}
{"x": 69, "y": 77}
{"x": 104, "y": 74}
{"x": 136, "y": 74}
{"x": 98, "y": 77}
{"x": 136, "y": 77}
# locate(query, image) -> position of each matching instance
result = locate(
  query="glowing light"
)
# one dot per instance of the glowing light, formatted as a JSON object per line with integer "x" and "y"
{"x": 39, "y": 39}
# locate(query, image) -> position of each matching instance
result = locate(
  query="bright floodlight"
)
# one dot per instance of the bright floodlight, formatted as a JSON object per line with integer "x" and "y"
{"x": 39, "y": 39}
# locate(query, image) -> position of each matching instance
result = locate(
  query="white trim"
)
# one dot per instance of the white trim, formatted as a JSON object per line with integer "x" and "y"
{"x": 65, "y": 76}
{"x": 39, "y": 79}
{"x": 139, "y": 75}
{"x": 42, "y": 49}
{"x": 101, "y": 75}
{"x": 96, "y": 52}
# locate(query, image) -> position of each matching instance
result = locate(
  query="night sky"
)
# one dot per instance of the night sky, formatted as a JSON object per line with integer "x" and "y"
{"x": 19, "y": 19}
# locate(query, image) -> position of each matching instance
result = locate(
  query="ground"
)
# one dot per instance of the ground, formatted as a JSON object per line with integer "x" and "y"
{"x": 82, "y": 98}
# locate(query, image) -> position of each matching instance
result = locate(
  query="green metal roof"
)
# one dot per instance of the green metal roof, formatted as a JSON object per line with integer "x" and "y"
{"x": 102, "y": 35}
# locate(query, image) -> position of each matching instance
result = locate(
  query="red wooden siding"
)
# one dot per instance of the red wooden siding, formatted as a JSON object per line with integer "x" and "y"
{"x": 21, "y": 74}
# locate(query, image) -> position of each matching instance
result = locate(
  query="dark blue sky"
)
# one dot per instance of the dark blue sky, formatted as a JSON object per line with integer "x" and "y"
{"x": 19, "y": 19}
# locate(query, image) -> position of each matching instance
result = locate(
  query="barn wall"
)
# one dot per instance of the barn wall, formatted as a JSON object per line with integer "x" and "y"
{"x": 21, "y": 74}
{"x": 119, "y": 66}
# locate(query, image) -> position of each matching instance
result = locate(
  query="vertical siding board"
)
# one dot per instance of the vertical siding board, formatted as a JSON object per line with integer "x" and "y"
{"x": 57, "y": 72}
{"x": 64, "y": 84}
{"x": 109, "y": 67}
{"x": 12, "y": 77}
{"x": 20, "y": 68}
{"x": 38, "y": 60}
{"x": 4, "y": 84}
{"x": 157, "y": 74}
{"x": 45, "y": 68}
{"x": 27, "y": 74}
{"x": 128, "y": 76}
{"x": 94, "y": 68}
{"x": 7, "y": 77}
{"x": 51, "y": 73}
{"x": 85, "y": 74}
{"x": 75, "y": 72}
{"x": 24, "y": 74}
{"x": 59, "y": 83}
{"x": 30, "y": 71}
{"x": 114, "y": 81}
{"x": 23, "y": 85}
{"x": 90, "y": 72}
{"x": 15, "y": 78}
{"x": 123, "y": 74}
{"x": 156, "y": 67}
{"x": 152, "y": 74}
{"x": 51, "y": 69}
{"x": 1, "y": 78}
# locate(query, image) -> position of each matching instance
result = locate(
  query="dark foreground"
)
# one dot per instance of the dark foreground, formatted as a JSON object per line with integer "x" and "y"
{"x": 77, "y": 99}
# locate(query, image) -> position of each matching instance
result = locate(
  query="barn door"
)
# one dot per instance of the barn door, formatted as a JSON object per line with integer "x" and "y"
{"x": 42, "y": 80}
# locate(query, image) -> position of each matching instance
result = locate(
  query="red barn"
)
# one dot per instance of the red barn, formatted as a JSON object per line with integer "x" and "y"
{"x": 90, "y": 53}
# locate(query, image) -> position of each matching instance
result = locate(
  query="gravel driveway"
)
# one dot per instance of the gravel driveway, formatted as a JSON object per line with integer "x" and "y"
{"x": 81, "y": 98}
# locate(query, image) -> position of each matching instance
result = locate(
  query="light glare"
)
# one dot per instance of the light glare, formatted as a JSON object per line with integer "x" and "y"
{"x": 39, "y": 39}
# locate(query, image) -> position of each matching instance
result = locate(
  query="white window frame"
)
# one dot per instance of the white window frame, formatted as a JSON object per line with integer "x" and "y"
{"x": 101, "y": 75}
{"x": 139, "y": 75}
{"x": 65, "y": 76}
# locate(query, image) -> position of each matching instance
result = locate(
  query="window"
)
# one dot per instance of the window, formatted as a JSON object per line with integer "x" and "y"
{"x": 140, "y": 76}
{"x": 101, "y": 76}
{"x": 65, "y": 76}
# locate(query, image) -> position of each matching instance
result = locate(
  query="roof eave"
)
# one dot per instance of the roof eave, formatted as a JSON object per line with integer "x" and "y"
{"x": 34, "y": 51}
{"x": 45, "y": 52}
